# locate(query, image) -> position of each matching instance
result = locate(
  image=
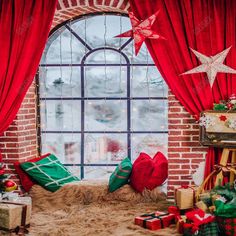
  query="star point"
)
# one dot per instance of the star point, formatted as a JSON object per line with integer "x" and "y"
{"x": 141, "y": 29}
{"x": 211, "y": 65}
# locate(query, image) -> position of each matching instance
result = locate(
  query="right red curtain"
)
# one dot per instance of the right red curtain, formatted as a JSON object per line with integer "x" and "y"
{"x": 208, "y": 27}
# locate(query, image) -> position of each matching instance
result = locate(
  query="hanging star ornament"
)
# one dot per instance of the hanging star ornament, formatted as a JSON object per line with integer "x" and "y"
{"x": 211, "y": 65}
{"x": 141, "y": 29}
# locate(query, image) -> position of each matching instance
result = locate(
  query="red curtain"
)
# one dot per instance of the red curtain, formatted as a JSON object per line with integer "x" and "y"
{"x": 24, "y": 29}
{"x": 207, "y": 26}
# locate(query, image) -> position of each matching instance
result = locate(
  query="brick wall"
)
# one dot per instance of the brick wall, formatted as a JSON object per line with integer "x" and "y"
{"x": 184, "y": 150}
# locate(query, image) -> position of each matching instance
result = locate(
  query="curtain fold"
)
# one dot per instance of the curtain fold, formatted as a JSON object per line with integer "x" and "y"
{"x": 207, "y": 26}
{"x": 24, "y": 29}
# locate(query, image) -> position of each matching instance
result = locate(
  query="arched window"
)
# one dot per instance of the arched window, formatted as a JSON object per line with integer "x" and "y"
{"x": 98, "y": 101}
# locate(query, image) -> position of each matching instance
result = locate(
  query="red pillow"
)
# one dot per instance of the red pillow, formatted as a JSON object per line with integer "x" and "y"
{"x": 26, "y": 181}
{"x": 149, "y": 172}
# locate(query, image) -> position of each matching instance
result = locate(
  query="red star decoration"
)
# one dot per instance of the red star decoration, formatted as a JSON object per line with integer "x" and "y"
{"x": 223, "y": 118}
{"x": 141, "y": 29}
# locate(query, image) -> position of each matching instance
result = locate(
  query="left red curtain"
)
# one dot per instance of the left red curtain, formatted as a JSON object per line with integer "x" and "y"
{"x": 24, "y": 29}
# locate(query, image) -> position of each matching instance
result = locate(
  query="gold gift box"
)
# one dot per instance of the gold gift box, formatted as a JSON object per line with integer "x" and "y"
{"x": 11, "y": 214}
{"x": 185, "y": 197}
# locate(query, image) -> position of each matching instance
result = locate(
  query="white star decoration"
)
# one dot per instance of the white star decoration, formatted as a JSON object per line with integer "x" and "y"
{"x": 211, "y": 65}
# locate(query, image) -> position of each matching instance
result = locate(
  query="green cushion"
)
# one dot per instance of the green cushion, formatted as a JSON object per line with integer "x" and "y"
{"x": 121, "y": 175}
{"x": 49, "y": 172}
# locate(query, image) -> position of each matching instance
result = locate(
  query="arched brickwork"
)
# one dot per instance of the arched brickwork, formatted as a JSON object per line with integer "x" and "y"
{"x": 67, "y": 9}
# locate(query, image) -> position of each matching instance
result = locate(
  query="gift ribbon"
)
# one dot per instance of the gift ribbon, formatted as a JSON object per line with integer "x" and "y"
{"x": 153, "y": 216}
{"x": 227, "y": 168}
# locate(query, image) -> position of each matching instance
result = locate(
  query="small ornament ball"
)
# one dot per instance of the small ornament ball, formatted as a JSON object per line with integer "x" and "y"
{"x": 10, "y": 185}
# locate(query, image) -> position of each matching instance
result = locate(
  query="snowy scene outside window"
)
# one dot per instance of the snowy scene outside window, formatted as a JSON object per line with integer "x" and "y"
{"x": 99, "y": 103}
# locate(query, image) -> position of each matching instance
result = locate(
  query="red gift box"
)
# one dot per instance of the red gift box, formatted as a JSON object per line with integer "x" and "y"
{"x": 156, "y": 220}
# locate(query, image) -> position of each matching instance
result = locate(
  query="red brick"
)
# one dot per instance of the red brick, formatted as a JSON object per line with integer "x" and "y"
{"x": 176, "y": 121}
{"x": 197, "y": 160}
{"x": 173, "y": 155}
{"x": 185, "y": 167}
{"x": 178, "y": 183}
{"x": 190, "y": 132}
{"x": 173, "y": 177}
{"x": 179, "y": 127}
{"x": 174, "y": 109}
{"x": 185, "y": 177}
{"x": 171, "y": 167}
{"x": 178, "y": 149}
{"x": 175, "y": 132}
{"x": 178, "y": 172}
{"x": 191, "y": 155}
{"x": 195, "y": 138}
{"x": 171, "y": 104}
{"x": 178, "y": 160}
{"x": 190, "y": 144}
{"x": 177, "y": 115}
{"x": 200, "y": 149}
{"x": 174, "y": 144}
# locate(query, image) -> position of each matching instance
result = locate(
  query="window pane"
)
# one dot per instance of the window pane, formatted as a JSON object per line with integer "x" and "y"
{"x": 60, "y": 115}
{"x": 62, "y": 48}
{"x": 149, "y": 115}
{"x": 75, "y": 170}
{"x": 94, "y": 32}
{"x": 149, "y": 143}
{"x": 65, "y": 146}
{"x": 60, "y": 82}
{"x": 98, "y": 172}
{"x": 143, "y": 56}
{"x": 105, "y": 148}
{"x": 106, "y": 115}
{"x": 105, "y": 81}
{"x": 105, "y": 57}
{"x": 146, "y": 81}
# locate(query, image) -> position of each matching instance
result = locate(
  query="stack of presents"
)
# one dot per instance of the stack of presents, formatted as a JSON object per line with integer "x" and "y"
{"x": 15, "y": 210}
{"x": 198, "y": 211}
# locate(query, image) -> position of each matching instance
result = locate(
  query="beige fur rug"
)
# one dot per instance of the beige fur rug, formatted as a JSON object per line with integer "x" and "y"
{"x": 86, "y": 208}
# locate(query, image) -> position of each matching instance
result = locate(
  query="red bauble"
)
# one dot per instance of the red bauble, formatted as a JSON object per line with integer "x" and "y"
{"x": 2, "y": 171}
{"x": 10, "y": 185}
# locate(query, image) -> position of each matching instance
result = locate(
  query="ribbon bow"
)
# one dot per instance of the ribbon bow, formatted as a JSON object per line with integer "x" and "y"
{"x": 21, "y": 230}
{"x": 230, "y": 167}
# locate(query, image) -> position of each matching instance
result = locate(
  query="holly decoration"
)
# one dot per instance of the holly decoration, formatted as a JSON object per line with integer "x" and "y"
{"x": 220, "y": 107}
{"x": 229, "y": 105}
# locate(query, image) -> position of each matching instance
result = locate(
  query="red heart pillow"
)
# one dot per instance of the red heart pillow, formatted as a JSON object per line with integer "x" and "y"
{"x": 149, "y": 172}
{"x": 26, "y": 181}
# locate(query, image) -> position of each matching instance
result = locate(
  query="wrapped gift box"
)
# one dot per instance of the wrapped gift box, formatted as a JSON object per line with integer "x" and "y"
{"x": 11, "y": 214}
{"x": 156, "y": 220}
{"x": 185, "y": 197}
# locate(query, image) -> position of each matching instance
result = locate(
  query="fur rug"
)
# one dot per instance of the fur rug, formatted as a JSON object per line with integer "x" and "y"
{"x": 87, "y": 209}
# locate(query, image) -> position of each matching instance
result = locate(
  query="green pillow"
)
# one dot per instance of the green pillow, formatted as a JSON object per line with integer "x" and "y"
{"x": 49, "y": 172}
{"x": 121, "y": 175}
